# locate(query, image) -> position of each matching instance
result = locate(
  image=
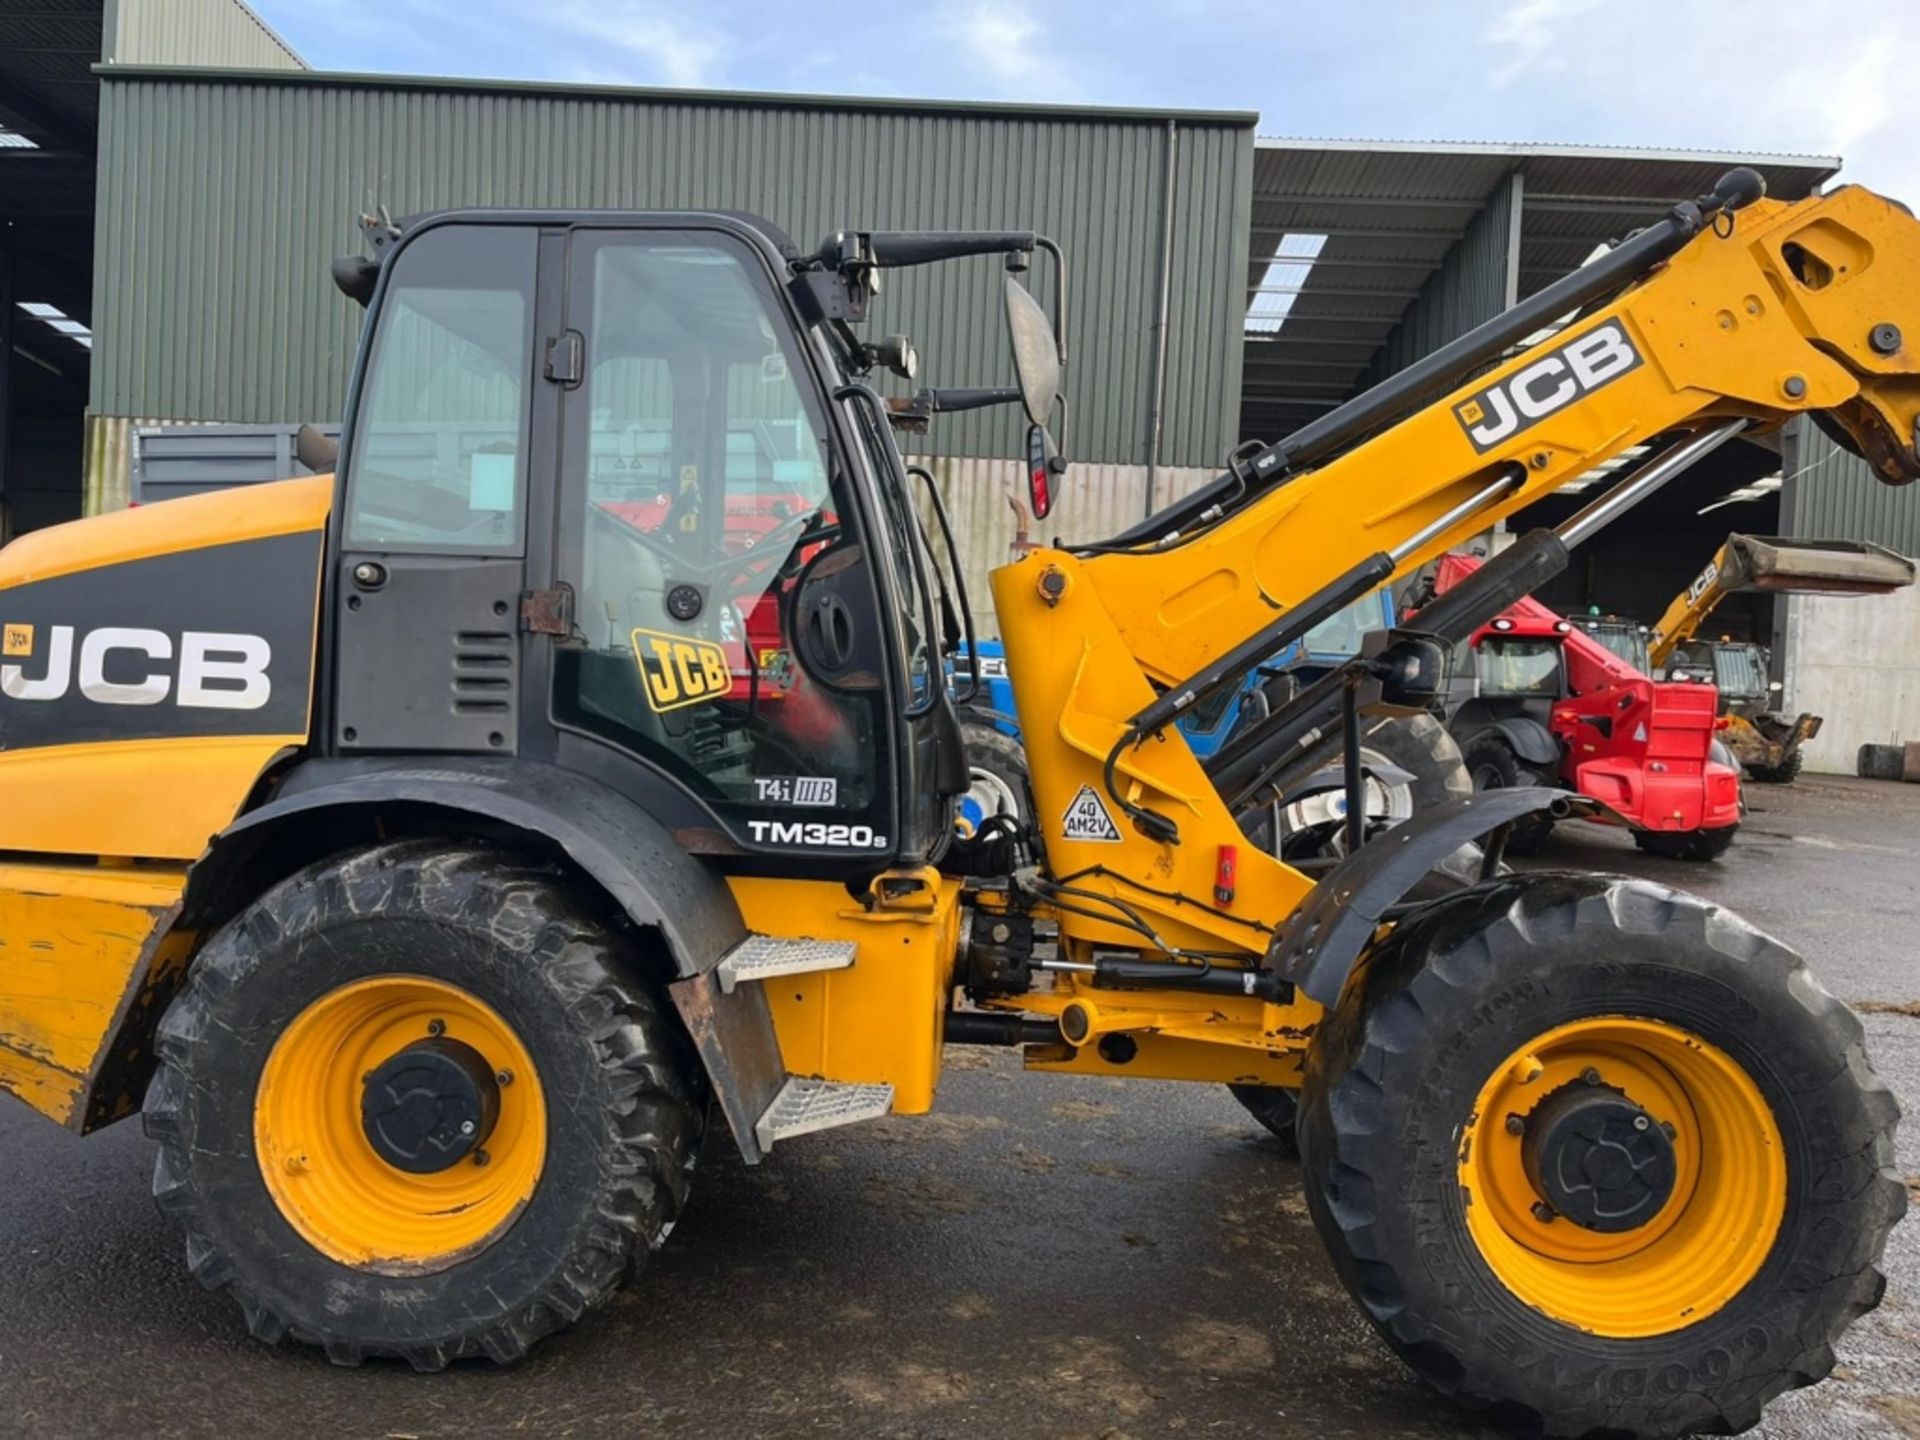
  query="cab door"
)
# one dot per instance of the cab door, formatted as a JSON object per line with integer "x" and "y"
{"x": 450, "y": 434}
{"x": 727, "y": 634}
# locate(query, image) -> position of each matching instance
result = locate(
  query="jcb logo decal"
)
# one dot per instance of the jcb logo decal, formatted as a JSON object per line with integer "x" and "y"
{"x": 678, "y": 671}
{"x": 123, "y": 665}
{"x": 1699, "y": 586}
{"x": 1555, "y": 380}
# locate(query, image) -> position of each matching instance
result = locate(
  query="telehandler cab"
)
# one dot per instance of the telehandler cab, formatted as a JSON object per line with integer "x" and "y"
{"x": 403, "y": 844}
{"x": 1766, "y": 743}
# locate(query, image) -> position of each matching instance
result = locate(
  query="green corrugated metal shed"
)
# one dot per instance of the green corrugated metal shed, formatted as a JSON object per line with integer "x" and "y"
{"x": 224, "y": 194}
{"x": 192, "y": 32}
{"x": 1830, "y": 493}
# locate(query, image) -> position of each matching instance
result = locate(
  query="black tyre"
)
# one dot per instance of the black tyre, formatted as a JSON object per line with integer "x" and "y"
{"x": 1000, "y": 769}
{"x": 1275, "y": 1108}
{"x": 351, "y": 1207}
{"x": 1493, "y": 764}
{"x": 1881, "y": 762}
{"x": 1785, "y": 773}
{"x": 1698, "y": 845}
{"x": 1421, "y": 746}
{"x": 1506, "y": 1047}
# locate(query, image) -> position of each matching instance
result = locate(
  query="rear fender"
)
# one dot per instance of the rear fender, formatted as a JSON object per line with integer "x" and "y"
{"x": 1317, "y": 946}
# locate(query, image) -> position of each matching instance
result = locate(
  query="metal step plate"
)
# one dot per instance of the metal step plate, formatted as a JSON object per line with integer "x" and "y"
{"x": 806, "y": 1105}
{"x": 763, "y": 957}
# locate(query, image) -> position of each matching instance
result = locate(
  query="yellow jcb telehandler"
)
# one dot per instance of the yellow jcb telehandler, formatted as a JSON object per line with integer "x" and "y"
{"x": 428, "y": 851}
{"x": 1764, "y": 741}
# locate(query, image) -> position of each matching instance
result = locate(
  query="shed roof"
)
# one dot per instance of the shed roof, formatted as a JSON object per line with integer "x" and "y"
{"x": 1347, "y": 232}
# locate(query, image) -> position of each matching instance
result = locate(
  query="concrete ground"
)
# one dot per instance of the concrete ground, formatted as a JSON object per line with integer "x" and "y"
{"x": 1043, "y": 1257}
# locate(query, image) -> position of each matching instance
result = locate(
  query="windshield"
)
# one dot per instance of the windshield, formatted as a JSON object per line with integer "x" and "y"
{"x": 1519, "y": 667}
{"x": 1740, "y": 671}
{"x": 1341, "y": 633}
{"x": 1627, "y": 642}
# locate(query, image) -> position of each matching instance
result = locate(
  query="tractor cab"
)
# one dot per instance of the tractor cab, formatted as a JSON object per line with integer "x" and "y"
{"x": 654, "y": 439}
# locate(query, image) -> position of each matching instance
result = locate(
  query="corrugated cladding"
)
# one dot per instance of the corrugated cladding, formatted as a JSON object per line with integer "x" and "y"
{"x": 192, "y": 32}
{"x": 1832, "y": 494}
{"x": 223, "y": 198}
{"x": 1474, "y": 283}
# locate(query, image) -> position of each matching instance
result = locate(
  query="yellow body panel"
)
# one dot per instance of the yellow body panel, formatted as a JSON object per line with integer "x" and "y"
{"x": 880, "y": 1019}
{"x": 154, "y": 799}
{"x": 252, "y": 512}
{"x": 75, "y": 941}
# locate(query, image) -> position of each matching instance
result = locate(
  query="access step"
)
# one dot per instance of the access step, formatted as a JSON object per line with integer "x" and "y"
{"x": 766, "y": 957}
{"x": 806, "y": 1105}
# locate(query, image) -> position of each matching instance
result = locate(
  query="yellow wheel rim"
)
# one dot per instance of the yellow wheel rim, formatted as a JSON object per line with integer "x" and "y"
{"x": 1706, "y": 1242}
{"x": 330, "y": 1182}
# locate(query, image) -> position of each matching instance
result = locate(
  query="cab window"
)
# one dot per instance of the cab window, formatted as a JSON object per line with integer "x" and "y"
{"x": 440, "y": 440}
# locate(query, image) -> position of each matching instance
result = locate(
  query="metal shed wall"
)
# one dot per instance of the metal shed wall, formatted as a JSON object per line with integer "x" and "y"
{"x": 192, "y": 32}
{"x": 1831, "y": 494}
{"x": 1476, "y": 280}
{"x": 224, "y": 195}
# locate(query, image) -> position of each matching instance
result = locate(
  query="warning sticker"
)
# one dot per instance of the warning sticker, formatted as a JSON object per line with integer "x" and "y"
{"x": 1087, "y": 819}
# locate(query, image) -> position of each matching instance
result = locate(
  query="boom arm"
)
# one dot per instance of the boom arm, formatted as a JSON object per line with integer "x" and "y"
{"x": 1775, "y": 310}
{"x": 1785, "y": 566}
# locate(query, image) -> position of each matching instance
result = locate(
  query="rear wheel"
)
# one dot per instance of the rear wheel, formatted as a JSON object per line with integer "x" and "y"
{"x": 1596, "y": 1157}
{"x": 1785, "y": 773}
{"x": 1686, "y": 844}
{"x": 1493, "y": 764}
{"x": 414, "y": 1103}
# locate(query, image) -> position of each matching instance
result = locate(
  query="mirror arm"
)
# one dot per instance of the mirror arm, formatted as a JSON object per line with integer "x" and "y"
{"x": 1059, "y": 294}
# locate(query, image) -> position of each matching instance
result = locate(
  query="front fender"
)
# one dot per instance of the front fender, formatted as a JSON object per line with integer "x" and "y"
{"x": 1316, "y": 948}
{"x": 625, "y": 850}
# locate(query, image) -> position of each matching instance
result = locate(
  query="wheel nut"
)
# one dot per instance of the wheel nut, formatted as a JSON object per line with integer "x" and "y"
{"x": 1543, "y": 1212}
{"x": 296, "y": 1164}
{"x": 1671, "y": 1129}
{"x": 466, "y": 1127}
{"x": 480, "y": 1157}
{"x": 1515, "y": 1125}
{"x": 505, "y": 1077}
{"x": 1640, "y": 1122}
{"x": 1590, "y": 1075}
{"x": 436, "y": 1027}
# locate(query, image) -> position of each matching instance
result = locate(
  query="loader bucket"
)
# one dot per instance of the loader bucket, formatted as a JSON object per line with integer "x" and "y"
{"x": 1813, "y": 567}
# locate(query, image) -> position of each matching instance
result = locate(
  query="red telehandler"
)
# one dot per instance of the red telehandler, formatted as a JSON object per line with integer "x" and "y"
{"x": 1537, "y": 701}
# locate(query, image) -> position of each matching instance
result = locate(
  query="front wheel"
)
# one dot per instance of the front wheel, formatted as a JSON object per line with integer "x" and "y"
{"x": 1596, "y": 1157}
{"x": 414, "y": 1103}
{"x": 1696, "y": 845}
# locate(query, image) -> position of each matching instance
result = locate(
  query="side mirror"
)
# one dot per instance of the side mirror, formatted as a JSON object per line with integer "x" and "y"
{"x": 1045, "y": 466}
{"x": 1036, "y": 353}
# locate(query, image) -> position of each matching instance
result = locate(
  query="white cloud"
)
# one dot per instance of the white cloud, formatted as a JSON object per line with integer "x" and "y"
{"x": 678, "y": 52}
{"x": 1007, "y": 49}
{"x": 1535, "y": 31}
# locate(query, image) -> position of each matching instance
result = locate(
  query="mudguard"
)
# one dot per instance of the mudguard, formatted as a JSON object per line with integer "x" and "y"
{"x": 1530, "y": 740}
{"x": 627, "y": 851}
{"x": 1318, "y": 944}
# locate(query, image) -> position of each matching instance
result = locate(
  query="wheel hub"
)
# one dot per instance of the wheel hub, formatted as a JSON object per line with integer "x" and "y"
{"x": 1597, "y": 1159}
{"x": 430, "y": 1106}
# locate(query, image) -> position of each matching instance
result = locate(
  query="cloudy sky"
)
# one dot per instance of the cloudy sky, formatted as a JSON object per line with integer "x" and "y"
{"x": 1721, "y": 74}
